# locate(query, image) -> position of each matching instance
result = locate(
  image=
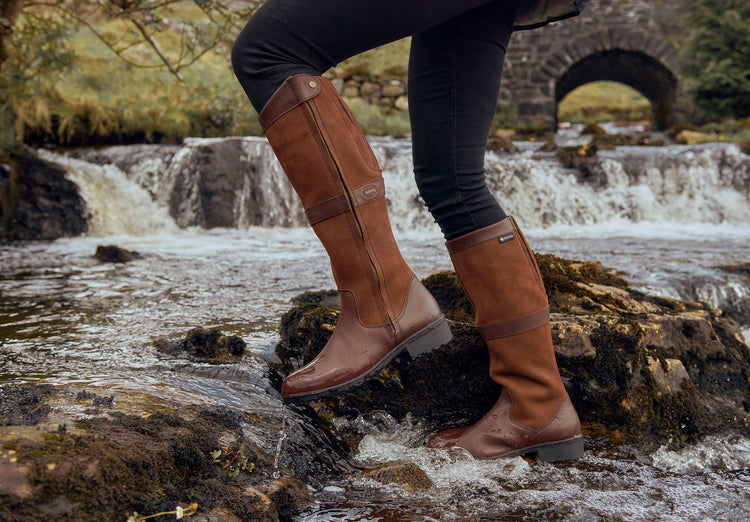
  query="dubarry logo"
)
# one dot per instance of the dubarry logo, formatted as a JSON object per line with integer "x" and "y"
{"x": 370, "y": 192}
{"x": 507, "y": 237}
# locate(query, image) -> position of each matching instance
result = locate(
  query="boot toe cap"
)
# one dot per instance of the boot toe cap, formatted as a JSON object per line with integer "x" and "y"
{"x": 446, "y": 439}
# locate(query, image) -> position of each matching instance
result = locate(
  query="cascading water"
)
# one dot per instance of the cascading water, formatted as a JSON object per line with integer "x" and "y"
{"x": 673, "y": 185}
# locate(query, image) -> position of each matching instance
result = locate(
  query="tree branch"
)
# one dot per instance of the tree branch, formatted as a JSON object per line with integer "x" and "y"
{"x": 9, "y": 11}
{"x": 157, "y": 48}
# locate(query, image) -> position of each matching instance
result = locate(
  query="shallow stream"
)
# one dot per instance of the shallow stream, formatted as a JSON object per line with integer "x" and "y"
{"x": 66, "y": 319}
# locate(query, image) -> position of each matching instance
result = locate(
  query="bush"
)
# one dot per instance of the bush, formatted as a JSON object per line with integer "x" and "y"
{"x": 374, "y": 123}
{"x": 715, "y": 57}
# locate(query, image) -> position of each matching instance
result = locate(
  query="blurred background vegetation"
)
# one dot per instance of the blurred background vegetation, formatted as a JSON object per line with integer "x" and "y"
{"x": 121, "y": 71}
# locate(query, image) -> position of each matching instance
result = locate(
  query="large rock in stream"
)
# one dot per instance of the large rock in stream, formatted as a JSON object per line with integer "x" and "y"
{"x": 640, "y": 369}
{"x": 37, "y": 201}
{"x": 72, "y": 453}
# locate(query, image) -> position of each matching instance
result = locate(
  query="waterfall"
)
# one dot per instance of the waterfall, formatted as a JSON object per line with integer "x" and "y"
{"x": 237, "y": 182}
{"x": 669, "y": 185}
{"x": 115, "y": 204}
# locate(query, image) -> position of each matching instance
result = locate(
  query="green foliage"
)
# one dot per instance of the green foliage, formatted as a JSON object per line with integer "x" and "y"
{"x": 506, "y": 117}
{"x": 39, "y": 59}
{"x": 374, "y": 123}
{"x": 603, "y": 101}
{"x": 736, "y": 131}
{"x": 715, "y": 57}
{"x": 121, "y": 84}
{"x": 7, "y": 135}
{"x": 391, "y": 58}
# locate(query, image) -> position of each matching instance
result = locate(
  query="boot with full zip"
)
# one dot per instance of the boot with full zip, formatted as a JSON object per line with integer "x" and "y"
{"x": 384, "y": 307}
{"x": 534, "y": 414}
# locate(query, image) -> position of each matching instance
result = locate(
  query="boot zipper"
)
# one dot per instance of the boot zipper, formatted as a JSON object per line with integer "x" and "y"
{"x": 354, "y": 214}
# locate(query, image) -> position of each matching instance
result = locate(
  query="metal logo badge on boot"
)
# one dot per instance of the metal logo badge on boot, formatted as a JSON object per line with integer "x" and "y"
{"x": 506, "y": 237}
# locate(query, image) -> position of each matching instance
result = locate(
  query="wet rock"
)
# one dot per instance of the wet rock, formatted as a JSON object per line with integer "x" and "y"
{"x": 14, "y": 477}
{"x": 37, "y": 201}
{"x": 115, "y": 254}
{"x": 691, "y": 137}
{"x": 501, "y": 144}
{"x": 109, "y": 467}
{"x": 201, "y": 343}
{"x": 640, "y": 369}
{"x": 402, "y": 472}
{"x": 610, "y": 141}
{"x": 593, "y": 128}
{"x": 571, "y": 157}
{"x": 24, "y": 404}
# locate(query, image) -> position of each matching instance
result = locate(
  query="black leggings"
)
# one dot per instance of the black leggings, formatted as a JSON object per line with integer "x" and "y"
{"x": 457, "y": 54}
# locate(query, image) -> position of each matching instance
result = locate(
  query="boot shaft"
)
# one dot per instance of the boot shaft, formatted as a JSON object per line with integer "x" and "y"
{"x": 501, "y": 278}
{"x": 335, "y": 173}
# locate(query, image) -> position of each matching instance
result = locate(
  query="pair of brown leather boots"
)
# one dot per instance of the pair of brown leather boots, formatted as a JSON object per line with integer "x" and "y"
{"x": 384, "y": 307}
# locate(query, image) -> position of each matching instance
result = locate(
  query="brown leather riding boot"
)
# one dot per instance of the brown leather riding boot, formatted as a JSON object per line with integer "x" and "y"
{"x": 533, "y": 414}
{"x": 384, "y": 307}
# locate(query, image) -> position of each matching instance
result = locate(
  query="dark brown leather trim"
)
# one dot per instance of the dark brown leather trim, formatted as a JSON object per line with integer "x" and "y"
{"x": 338, "y": 205}
{"x": 515, "y": 326}
{"x": 367, "y": 192}
{"x": 327, "y": 209}
{"x": 496, "y": 230}
{"x": 294, "y": 91}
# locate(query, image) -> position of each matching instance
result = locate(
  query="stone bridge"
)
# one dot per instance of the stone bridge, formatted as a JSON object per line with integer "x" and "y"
{"x": 633, "y": 42}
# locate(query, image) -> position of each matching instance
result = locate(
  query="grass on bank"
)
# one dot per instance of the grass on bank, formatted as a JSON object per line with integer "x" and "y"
{"x": 600, "y": 101}
{"x": 104, "y": 100}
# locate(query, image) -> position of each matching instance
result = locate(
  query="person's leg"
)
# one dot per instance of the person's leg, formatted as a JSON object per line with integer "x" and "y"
{"x": 288, "y": 37}
{"x": 454, "y": 78}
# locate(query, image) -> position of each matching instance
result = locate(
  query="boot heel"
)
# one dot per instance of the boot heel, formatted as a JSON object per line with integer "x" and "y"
{"x": 570, "y": 449}
{"x": 432, "y": 337}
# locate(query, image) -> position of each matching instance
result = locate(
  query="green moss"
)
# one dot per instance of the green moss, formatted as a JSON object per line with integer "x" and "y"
{"x": 562, "y": 275}
{"x": 115, "y": 466}
{"x": 450, "y": 295}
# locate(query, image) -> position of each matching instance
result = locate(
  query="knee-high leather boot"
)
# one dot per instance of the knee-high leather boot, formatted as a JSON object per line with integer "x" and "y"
{"x": 384, "y": 307}
{"x": 533, "y": 414}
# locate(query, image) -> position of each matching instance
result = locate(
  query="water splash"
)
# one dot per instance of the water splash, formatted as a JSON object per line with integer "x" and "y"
{"x": 282, "y": 436}
{"x": 706, "y": 480}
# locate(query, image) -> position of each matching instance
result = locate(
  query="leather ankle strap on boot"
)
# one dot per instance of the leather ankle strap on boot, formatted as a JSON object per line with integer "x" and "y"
{"x": 294, "y": 91}
{"x": 338, "y": 205}
{"x": 515, "y": 326}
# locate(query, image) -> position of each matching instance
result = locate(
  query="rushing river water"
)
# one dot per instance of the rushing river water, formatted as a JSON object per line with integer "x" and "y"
{"x": 667, "y": 218}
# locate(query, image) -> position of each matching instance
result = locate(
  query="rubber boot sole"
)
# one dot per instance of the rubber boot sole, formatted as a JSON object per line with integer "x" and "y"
{"x": 427, "y": 339}
{"x": 568, "y": 449}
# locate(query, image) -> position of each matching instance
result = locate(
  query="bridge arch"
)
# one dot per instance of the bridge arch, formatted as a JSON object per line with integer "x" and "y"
{"x": 644, "y": 73}
{"x": 634, "y": 43}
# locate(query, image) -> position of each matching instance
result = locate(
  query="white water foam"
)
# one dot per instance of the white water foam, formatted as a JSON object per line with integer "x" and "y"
{"x": 116, "y": 205}
{"x": 686, "y": 484}
{"x": 639, "y": 191}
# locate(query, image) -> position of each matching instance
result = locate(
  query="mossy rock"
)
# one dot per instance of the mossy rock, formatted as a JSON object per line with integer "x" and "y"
{"x": 640, "y": 369}
{"x": 108, "y": 467}
{"x": 571, "y": 157}
{"x": 593, "y": 128}
{"x": 204, "y": 344}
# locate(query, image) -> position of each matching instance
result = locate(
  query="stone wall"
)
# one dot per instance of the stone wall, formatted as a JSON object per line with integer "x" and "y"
{"x": 387, "y": 91}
